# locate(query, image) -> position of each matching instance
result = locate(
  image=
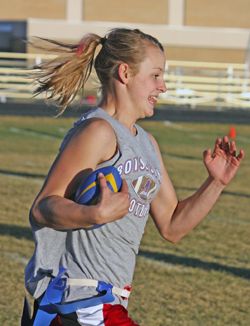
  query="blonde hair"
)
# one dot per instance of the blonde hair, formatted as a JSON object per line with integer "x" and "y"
{"x": 63, "y": 77}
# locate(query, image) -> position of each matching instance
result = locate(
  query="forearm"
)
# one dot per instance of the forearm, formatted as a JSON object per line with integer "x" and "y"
{"x": 61, "y": 213}
{"x": 191, "y": 211}
{"x": 173, "y": 218}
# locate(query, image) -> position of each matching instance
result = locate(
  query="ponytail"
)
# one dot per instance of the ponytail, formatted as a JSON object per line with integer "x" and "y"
{"x": 62, "y": 78}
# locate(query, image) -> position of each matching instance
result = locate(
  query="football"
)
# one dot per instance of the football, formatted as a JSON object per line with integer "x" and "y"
{"x": 89, "y": 190}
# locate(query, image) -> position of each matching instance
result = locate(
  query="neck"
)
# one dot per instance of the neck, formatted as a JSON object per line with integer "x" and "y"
{"x": 120, "y": 112}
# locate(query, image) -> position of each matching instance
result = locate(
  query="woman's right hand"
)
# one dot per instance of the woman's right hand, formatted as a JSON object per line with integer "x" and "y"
{"x": 111, "y": 205}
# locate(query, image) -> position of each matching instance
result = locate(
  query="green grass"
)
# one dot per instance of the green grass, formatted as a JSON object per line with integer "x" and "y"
{"x": 203, "y": 280}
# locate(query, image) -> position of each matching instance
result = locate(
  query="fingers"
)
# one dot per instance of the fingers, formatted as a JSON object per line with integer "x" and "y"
{"x": 218, "y": 142}
{"x": 102, "y": 181}
{"x": 232, "y": 148}
{"x": 228, "y": 147}
{"x": 104, "y": 189}
{"x": 241, "y": 155}
{"x": 207, "y": 155}
{"x": 112, "y": 205}
{"x": 225, "y": 145}
{"x": 217, "y": 146}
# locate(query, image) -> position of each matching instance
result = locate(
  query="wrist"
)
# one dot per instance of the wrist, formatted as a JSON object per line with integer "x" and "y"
{"x": 218, "y": 184}
{"x": 96, "y": 214}
{"x": 90, "y": 214}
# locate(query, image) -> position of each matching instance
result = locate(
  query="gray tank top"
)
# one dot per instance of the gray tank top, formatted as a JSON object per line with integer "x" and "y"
{"x": 107, "y": 253}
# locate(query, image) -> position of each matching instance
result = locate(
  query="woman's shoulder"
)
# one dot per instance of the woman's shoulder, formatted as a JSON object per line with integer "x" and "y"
{"x": 96, "y": 127}
{"x": 91, "y": 130}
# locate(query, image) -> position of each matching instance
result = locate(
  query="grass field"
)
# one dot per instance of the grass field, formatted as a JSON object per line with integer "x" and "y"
{"x": 203, "y": 280}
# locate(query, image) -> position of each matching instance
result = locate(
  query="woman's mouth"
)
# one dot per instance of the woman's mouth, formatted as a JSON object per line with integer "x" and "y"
{"x": 152, "y": 99}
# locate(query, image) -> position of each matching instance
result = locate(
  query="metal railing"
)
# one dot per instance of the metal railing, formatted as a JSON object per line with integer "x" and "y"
{"x": 219, "y": 85}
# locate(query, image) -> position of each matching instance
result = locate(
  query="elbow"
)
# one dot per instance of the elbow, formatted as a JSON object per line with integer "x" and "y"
{"x": 173, "y": 240}
{"x": 172, "y": 237}
{"x": 35, "y": 214}
{"x": 173, "y": 231}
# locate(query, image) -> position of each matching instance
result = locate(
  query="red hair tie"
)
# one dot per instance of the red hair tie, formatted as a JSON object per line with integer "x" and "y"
{"x": 80, "y": 49}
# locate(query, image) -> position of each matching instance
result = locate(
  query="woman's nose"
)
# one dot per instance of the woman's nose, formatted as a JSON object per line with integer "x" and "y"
{"x": 162, "y": 87}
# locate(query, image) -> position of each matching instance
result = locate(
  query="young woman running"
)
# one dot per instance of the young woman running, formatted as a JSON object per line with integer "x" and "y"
{"x": 68, "y": 249}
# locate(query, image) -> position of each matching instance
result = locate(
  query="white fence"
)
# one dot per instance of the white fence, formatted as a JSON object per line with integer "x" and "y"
{"x": 218, "y": 85}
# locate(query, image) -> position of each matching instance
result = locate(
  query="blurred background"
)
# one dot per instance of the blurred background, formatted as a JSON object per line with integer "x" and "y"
{"x": 190, "y": 29}
{"x": 203, "y": 280}
{"x": 207, "y": 43}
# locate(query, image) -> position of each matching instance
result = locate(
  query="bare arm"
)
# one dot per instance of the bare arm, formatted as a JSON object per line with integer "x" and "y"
{"x": 54, "y": 207}
{"x": 174, "y": 219}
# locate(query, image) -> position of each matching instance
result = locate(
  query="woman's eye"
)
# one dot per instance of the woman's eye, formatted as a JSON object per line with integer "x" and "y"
{"x": 156, "y": 76}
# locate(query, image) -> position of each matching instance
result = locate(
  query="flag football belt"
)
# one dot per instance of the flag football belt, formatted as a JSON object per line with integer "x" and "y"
{"x": 50, "y": 304}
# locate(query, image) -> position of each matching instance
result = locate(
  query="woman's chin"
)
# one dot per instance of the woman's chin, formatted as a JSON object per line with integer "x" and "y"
{"x": 147, "y": 112}
{"x": 150, "y": 112}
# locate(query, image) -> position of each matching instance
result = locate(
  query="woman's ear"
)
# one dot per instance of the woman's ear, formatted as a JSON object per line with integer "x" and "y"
{"x": 123, "y": 73}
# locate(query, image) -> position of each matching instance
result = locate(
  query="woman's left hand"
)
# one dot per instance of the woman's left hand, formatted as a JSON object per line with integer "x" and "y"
{"x": 223, "y": 163}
